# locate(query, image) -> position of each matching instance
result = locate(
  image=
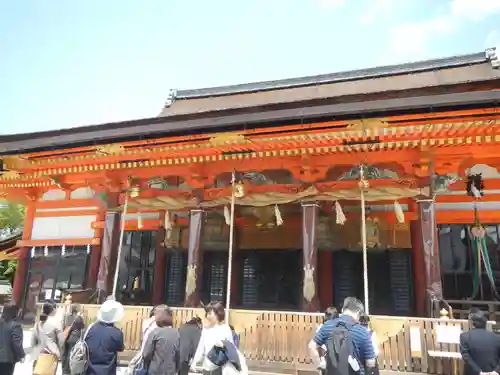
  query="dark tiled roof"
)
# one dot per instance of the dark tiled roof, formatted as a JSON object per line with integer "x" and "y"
{"x": 378, "y": 72}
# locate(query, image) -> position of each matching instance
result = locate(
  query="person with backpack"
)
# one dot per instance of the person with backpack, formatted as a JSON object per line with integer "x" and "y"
{"x": 73, "y": 330}
{"x": 11, "y": 338}
{"x": 104, "y": 340}
{"x": 349, "y": 345}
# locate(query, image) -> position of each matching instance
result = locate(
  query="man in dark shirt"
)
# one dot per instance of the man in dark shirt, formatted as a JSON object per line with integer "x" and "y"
{"x": 479, "y": 347}
{"x": 361, "y": 338}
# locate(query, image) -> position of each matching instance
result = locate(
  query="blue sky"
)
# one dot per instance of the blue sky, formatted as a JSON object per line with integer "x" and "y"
{"x": 72, "y": 63}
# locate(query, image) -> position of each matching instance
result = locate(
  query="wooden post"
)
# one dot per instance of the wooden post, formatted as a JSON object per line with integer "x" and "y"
{"x": 310, "y": 301}
{"x": 194, "y": 266}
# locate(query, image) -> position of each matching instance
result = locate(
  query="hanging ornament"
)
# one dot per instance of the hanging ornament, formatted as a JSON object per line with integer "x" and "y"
{"x": 140, "y": 224}
{"x": 400, "y": 215}
{"x": 475, "y": 185}
{"x": 339, "y": 214}
{"x": 481, "y": 258}
{"x": 63, "y": 250}
{"x": 32, "y": 252}
{"x": 277, "y": 213}
{"x": 46, "y": 250}
{"x": 227, "y": 215}
{"x": 168, "y": 226}
{"x": 88, "y": 248}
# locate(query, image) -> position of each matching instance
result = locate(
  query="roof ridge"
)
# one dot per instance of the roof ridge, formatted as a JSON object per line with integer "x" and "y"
{"x": 388, "y": 70}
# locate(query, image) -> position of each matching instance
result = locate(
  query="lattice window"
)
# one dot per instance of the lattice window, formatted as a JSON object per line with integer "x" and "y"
{"x": 175, "y": 281}
{"x": 136, "y": 275}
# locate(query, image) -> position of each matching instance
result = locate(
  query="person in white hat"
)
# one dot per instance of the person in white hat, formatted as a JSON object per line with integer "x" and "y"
{"x": 104, "y": 340}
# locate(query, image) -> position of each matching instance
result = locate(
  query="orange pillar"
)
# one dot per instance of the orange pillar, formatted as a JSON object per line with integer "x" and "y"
{"x": 21, "y": 275}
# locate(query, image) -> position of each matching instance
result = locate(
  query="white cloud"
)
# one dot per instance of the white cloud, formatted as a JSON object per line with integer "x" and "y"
{"x": 474, "y": 10}
{"x": 377, "y": 9}
{"x": 411, "y": 40}
{"x": 329, "y": 4}
{"x": 493, "y": 40}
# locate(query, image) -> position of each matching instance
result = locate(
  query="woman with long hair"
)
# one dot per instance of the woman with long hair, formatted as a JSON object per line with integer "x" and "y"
{"x": 49, "y": 338}
{"x": 11, "y": 339}
{"x": 161, "y": 350}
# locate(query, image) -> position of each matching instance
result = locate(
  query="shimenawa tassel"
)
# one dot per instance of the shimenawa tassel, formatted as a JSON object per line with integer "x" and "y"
{"x": 46, "y": 250}
{"x": 277, "y": 213}
{"x": 168, "y": 225}
{"x": 227, "y": 215}
{"x": 63, "y": 250}
{"x": 400, "y": 215}
{"x": 340, "y": 216}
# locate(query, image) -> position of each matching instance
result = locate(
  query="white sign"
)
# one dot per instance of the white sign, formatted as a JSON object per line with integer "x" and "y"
{"x": 415, "y": 341}
{"x": 448, "y": 334}
{"x": 48, "y": 294}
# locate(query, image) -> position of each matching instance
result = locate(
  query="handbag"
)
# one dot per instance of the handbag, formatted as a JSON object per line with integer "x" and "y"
{"x": 143, "y": 368}
{"x": 46, "y": 364}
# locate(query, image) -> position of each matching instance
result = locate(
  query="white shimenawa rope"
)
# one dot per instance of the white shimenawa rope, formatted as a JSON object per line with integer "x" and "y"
{"x": 363, "y": 239}
{"x": 230, "y": 255}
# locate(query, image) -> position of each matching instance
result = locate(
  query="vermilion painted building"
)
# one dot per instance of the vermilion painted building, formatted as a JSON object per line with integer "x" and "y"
{"x": 296, "y": 147}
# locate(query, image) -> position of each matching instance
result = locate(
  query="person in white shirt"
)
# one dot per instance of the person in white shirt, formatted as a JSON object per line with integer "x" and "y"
{"x": 364, "y": 320}
{"x": 212, "y": 335}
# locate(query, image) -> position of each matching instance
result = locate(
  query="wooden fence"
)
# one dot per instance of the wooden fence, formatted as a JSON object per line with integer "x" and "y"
{"x": 279, "y": 340}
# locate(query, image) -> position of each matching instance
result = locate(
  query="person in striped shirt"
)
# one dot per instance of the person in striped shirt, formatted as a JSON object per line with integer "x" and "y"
{"x": 362, "y": 341}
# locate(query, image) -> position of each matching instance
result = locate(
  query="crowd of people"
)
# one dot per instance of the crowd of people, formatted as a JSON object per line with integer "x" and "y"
{"x": 61, "y": 337}
{"x": 343, "y": 345}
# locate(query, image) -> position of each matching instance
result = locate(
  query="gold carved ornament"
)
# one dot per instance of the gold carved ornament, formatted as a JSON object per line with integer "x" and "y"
{"x": 110, "y": 149}
{"x": 224, "y": 139}
{"x": 369, "y": 126}
{"x": 12, "y": 165}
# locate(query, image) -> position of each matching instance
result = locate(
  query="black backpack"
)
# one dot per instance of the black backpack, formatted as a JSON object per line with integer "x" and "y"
{"x": 340, "y": 351}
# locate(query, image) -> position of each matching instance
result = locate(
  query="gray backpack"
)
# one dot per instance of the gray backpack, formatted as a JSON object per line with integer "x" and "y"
{"x": 79, "y": 356}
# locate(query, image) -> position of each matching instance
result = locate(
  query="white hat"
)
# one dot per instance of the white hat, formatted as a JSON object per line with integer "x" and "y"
{"x": 110, "y": 312}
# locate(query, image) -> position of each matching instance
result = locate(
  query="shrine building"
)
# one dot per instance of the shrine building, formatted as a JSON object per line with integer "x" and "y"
{"x": 424, "y": 135}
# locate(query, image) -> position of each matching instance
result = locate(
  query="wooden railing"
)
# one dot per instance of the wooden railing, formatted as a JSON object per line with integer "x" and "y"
{"x": 461, "y": 308}
{"x": 279, "y": 339}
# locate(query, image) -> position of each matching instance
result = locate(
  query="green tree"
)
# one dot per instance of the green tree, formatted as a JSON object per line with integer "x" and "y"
{"x": 11, "y": 218}
{"x": 8, "y": 270}
{"x": 11, "y": 215}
